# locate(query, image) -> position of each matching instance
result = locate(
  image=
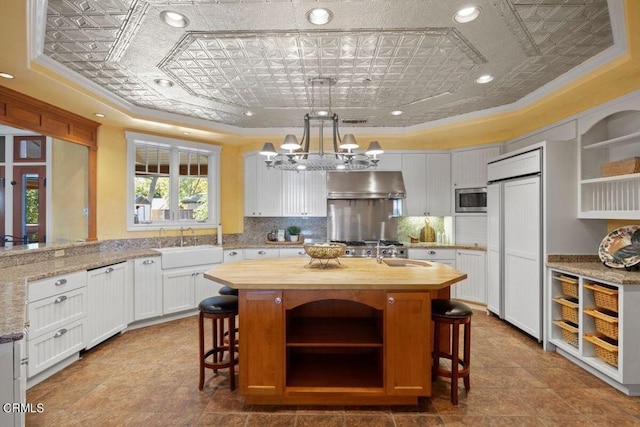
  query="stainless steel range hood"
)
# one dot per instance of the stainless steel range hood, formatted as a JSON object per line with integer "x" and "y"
{"x": 365, "y": 185}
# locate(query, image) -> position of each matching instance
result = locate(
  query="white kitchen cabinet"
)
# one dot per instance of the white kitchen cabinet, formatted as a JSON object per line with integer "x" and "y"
{"x": 106, "y": 315}
{"x": 469, "y": 166}
{"x": 231, "y": 255}
{"x": 293, "y": 253}
{"x": 473, "y": 288}
{"x": 262, "y": 188}
{"x": 204, "y": 288}
{"x": 444, "y": 256}
{"x": 12, "y": 383}
{"x": 304, "y": 194}
{"x": 184, "y": 288}
{"x": 259, "y": 253}
{"x": 56, "y": 316}
{"x": 147, "y": 288}
{"x": 609, "y": 135}
{"x": 427, "y": 180}
{"x": 389, "y": 162}
{"x": 178, "y": 290}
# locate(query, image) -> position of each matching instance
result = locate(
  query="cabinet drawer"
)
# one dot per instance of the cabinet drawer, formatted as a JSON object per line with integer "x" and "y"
{"x": 432, "y": 254}
{"x": 54, "y": 312}
{"x": 231, "y": 255}
{"x": 56, "y": 285}
{"x": 261, "y": 253}
{"x": 293, "y": 252}
{"x": 55, "y": 346}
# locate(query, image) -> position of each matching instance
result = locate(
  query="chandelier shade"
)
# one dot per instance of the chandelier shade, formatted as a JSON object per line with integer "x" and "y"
{"x": 298, "y": 156}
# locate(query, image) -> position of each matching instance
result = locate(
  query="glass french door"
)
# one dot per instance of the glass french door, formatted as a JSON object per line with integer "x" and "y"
{"x": 29, "y": 204}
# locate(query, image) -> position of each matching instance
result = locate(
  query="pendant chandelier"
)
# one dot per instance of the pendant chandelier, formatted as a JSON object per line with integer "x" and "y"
{"x": 298, "y": 156}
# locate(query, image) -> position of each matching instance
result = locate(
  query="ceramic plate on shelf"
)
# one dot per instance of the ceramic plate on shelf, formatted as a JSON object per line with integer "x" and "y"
{"x": 621, "y": 247}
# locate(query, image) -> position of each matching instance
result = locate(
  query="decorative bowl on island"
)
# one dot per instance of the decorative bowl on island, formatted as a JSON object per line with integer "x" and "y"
{"x": 325, "y": 250}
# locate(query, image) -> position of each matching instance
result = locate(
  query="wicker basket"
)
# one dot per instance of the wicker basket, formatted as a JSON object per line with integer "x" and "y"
{"x": 569, "y": 285}
{"x": 621, "y": 167}
{"x": 605, "y": 324}
{"x": 606, "y": 298}
{"x": 569, "y": 332}
{"x": 569, "y": 309}
{"x": 606, "y": 348}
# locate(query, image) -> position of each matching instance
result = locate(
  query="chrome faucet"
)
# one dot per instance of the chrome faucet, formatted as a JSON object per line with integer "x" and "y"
{"x": 393, "y": 252}
{"x": 160, "y": 237}
{"x": 182, "y": 230}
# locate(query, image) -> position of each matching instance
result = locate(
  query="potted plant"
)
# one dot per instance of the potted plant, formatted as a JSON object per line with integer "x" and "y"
{"x": 294, "y": 232}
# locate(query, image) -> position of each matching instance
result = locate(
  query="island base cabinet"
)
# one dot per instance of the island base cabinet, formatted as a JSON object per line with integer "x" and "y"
{"x": 329, "y": 347}
{"x": 408, "y": 344}
{"x": 262, "y": 356}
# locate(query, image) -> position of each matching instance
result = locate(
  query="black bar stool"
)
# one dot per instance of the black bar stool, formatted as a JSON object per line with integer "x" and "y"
{"x": 218, "y": 309}
{"x": 228, "y": 290}
{"x": 454, "y": 313}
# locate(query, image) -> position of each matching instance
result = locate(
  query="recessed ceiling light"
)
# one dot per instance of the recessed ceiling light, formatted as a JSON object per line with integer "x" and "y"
{"x": 6, "y": 75}
{"x": 396, "y": 113}
{"x": 248, "y": 113}
{"x": 319, "y": 16}
{"x": 163, "y": 82}
{"x": 98, "y": 115}
{"x": 484, "y": 79}
{"x": 323, "y": 113}
{"x": 467, "y": 14}
{"x": 186, "y": 133}
{"x": 174, "y": 19}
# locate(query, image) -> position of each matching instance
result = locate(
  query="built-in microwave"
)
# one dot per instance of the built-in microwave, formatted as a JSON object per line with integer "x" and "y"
{"x": 469, "y": 200}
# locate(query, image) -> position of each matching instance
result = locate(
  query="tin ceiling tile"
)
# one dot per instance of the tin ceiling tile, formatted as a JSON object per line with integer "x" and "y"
{"x": 237, "y": 54}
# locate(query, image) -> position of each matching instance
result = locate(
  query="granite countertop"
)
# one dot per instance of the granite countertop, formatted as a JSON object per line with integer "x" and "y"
{"x": 592, "y": 267}
{"x": 13, "y": 282}
{"x": 14, "y": 278}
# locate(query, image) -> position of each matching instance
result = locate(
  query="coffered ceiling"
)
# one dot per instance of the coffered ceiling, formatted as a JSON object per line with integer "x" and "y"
{"x": 236, "y": 56}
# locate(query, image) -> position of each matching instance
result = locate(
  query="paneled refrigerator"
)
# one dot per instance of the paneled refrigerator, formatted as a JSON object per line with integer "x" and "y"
{"x": 514, "y": 267}
{"x": 532, "y": 214}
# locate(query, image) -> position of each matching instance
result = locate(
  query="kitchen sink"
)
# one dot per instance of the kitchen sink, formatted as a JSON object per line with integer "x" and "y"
{"x": 400, "y": 262}
{"x": 187, "y": 256}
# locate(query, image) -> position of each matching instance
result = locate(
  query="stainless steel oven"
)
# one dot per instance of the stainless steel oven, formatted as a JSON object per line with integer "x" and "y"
{"x": 469, "y": 200}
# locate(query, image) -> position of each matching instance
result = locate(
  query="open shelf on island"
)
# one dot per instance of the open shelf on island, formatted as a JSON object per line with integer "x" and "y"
{"x": 333, "y": 332}
{"x": 334, "y": 370}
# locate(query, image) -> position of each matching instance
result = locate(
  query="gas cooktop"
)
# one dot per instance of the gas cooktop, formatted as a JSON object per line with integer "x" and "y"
{"x": 368, "y": 248}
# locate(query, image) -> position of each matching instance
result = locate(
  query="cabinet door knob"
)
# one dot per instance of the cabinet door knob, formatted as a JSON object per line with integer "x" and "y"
{"x": 301, "y": 253}
{"x": 61, "y": 282}
{"x": 278, "y": 300}
{"x": 432, "y": 252}
{"x": 233, "y": 253}
{"x": 262, "y": 253}
{"x": 60, "y": 299}
{"x": 391, "y": 300}
{"x": 108, "y": 270}
{"x": 148, "y": 261}
{"x": 60, "y": 333}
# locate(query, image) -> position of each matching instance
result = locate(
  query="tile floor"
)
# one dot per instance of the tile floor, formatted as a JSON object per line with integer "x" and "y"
{"x": 149, "y": 377}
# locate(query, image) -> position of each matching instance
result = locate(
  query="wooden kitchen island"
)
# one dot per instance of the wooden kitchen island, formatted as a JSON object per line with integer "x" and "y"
{"x": 354, "y": 333}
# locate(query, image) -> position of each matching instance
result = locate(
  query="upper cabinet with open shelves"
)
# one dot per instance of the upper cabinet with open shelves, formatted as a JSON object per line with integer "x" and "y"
{"x": 609, "y": 135}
